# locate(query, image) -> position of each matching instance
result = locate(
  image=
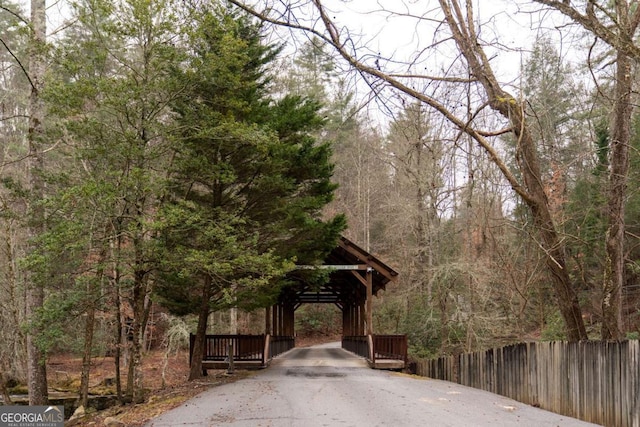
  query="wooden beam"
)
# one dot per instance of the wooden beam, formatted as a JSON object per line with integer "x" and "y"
{"x": 369, "y": 302}
{"x": 267, "y": 321}
{"x": 368, "y": 258}
{"x": 333, "y": 267}
{"x": 360, "y": 278}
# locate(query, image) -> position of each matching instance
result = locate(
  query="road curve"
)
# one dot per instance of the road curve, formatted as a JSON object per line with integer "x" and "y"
{"x": 327, "y": 386}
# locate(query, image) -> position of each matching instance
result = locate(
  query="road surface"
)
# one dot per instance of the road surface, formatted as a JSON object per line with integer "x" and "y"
{"x": 327, "y": 386}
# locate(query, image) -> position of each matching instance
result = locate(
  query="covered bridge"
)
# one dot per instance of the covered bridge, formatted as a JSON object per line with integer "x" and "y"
{"x": 356, "y": 276}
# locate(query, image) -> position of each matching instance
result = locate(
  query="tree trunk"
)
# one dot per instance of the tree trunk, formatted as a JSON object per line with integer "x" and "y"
{"x": 529, "y": 165}
{"x": 118, "y": 350}
{"x": 86, "y": 356}
{"x": 613, "y": 279}
{"x": 89, "y": 328}
{"x": 463, "y": 30}
{"x": 115, "y": 246}
{"x": 135, "y": 374}
{"x": 36, "y": 368}
{"x": 4, "y": 392}
{"x": 195, "y": 371}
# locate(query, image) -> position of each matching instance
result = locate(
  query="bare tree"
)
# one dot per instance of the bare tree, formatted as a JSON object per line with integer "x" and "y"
{"x": 463, "y": 30}
{"x": 615, "y": 23}
{"x": 14, "y": 95}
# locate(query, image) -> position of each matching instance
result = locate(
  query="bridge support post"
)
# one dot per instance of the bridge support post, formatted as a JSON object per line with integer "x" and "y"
{"x": 275, "y": 315}
{"x": 288, "y": 319}
{"x": 231, "y": 367}
{"x": 360, "y": 317}
{"x": 267, "y": 321}
{"x": 369, "y": 301}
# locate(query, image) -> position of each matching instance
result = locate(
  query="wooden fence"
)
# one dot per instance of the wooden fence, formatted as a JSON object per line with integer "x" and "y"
{"x": 279, "y": 344}
{"x": 595, "y": 381}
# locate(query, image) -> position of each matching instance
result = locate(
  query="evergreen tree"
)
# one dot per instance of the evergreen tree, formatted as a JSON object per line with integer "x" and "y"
{"x": 562, "y": 146}
{"x": 111, "y": 93}
{"x": 249, "y": 181}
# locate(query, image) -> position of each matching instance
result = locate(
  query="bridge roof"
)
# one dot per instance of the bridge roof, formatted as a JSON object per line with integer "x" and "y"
{"x": 349, "y": 264}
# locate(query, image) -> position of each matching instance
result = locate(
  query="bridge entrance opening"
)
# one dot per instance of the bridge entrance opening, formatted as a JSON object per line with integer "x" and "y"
{"x": 318, "y": 324}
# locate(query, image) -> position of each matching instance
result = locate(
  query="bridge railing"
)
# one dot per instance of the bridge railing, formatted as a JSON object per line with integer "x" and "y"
{"x": 279, "y": 344}
{"x": 357, "y": 344}
{"x": 377, "y": 347}
{"x": 245, "y": 348}
{"x": 390, "y": 347}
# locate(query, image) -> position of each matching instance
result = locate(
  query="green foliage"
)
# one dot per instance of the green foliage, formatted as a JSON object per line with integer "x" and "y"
{"x": 197, "y": 243}
{"x": 553, "y": 327}
{"x": 107, "y": 96}
{"x": 635, "y": 335}
{"x": 248, "y": 182}
{"x": 602, "y": 146}
{"x": 318, "y": 319}
{"x": 415, "y": 318}
{"x": 424, "y": 332}
{"x": 176, "y": 167}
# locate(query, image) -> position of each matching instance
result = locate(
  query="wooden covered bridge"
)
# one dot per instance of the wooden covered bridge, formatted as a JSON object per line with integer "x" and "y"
{"x": 356, "y": 276}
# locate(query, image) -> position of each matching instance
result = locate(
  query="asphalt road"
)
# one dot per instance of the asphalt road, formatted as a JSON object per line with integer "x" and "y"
{"x": 327, "y": 386}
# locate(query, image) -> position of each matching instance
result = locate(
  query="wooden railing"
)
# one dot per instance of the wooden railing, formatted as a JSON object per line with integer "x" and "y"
{"x": 245, "y": 348}
{"x": 389, "y": 347}
{"x": 279, "y": 344}
{"x": 356, "y": 344}
{"x": 377, "y": 347}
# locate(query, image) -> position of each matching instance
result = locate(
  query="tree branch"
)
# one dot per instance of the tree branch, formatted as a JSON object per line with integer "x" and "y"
{"x": 590, "y": 21}
{"x": 334, "y": 39}
{"x": 22, "y": 67}
{"x": 434, "y": 78}
{"x": 15, "y": 14}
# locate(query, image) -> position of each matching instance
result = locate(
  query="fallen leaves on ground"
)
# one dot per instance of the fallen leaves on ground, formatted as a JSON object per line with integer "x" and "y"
{"x": 64, "y": 373}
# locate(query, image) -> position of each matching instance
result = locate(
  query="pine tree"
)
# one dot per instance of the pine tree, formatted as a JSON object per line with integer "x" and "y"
{"x": 249, "y": 181}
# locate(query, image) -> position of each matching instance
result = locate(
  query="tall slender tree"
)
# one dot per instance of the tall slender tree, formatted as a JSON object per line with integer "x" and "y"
{"x": 36, "y": 367}
{"x": 615, "y": 24}
{"x": 14, "y": 98}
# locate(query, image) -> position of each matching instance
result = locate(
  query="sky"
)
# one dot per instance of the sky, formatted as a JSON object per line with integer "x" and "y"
{"x": 389, "y": 33}
{"x": 394, "y": 36}
{"x": 513, "y": 25}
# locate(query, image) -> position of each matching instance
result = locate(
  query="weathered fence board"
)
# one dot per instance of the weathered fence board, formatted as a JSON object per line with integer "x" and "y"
{"x": 596, "y": 381}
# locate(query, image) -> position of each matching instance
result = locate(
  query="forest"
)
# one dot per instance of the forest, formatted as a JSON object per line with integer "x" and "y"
{"x": 164, "y": 165}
